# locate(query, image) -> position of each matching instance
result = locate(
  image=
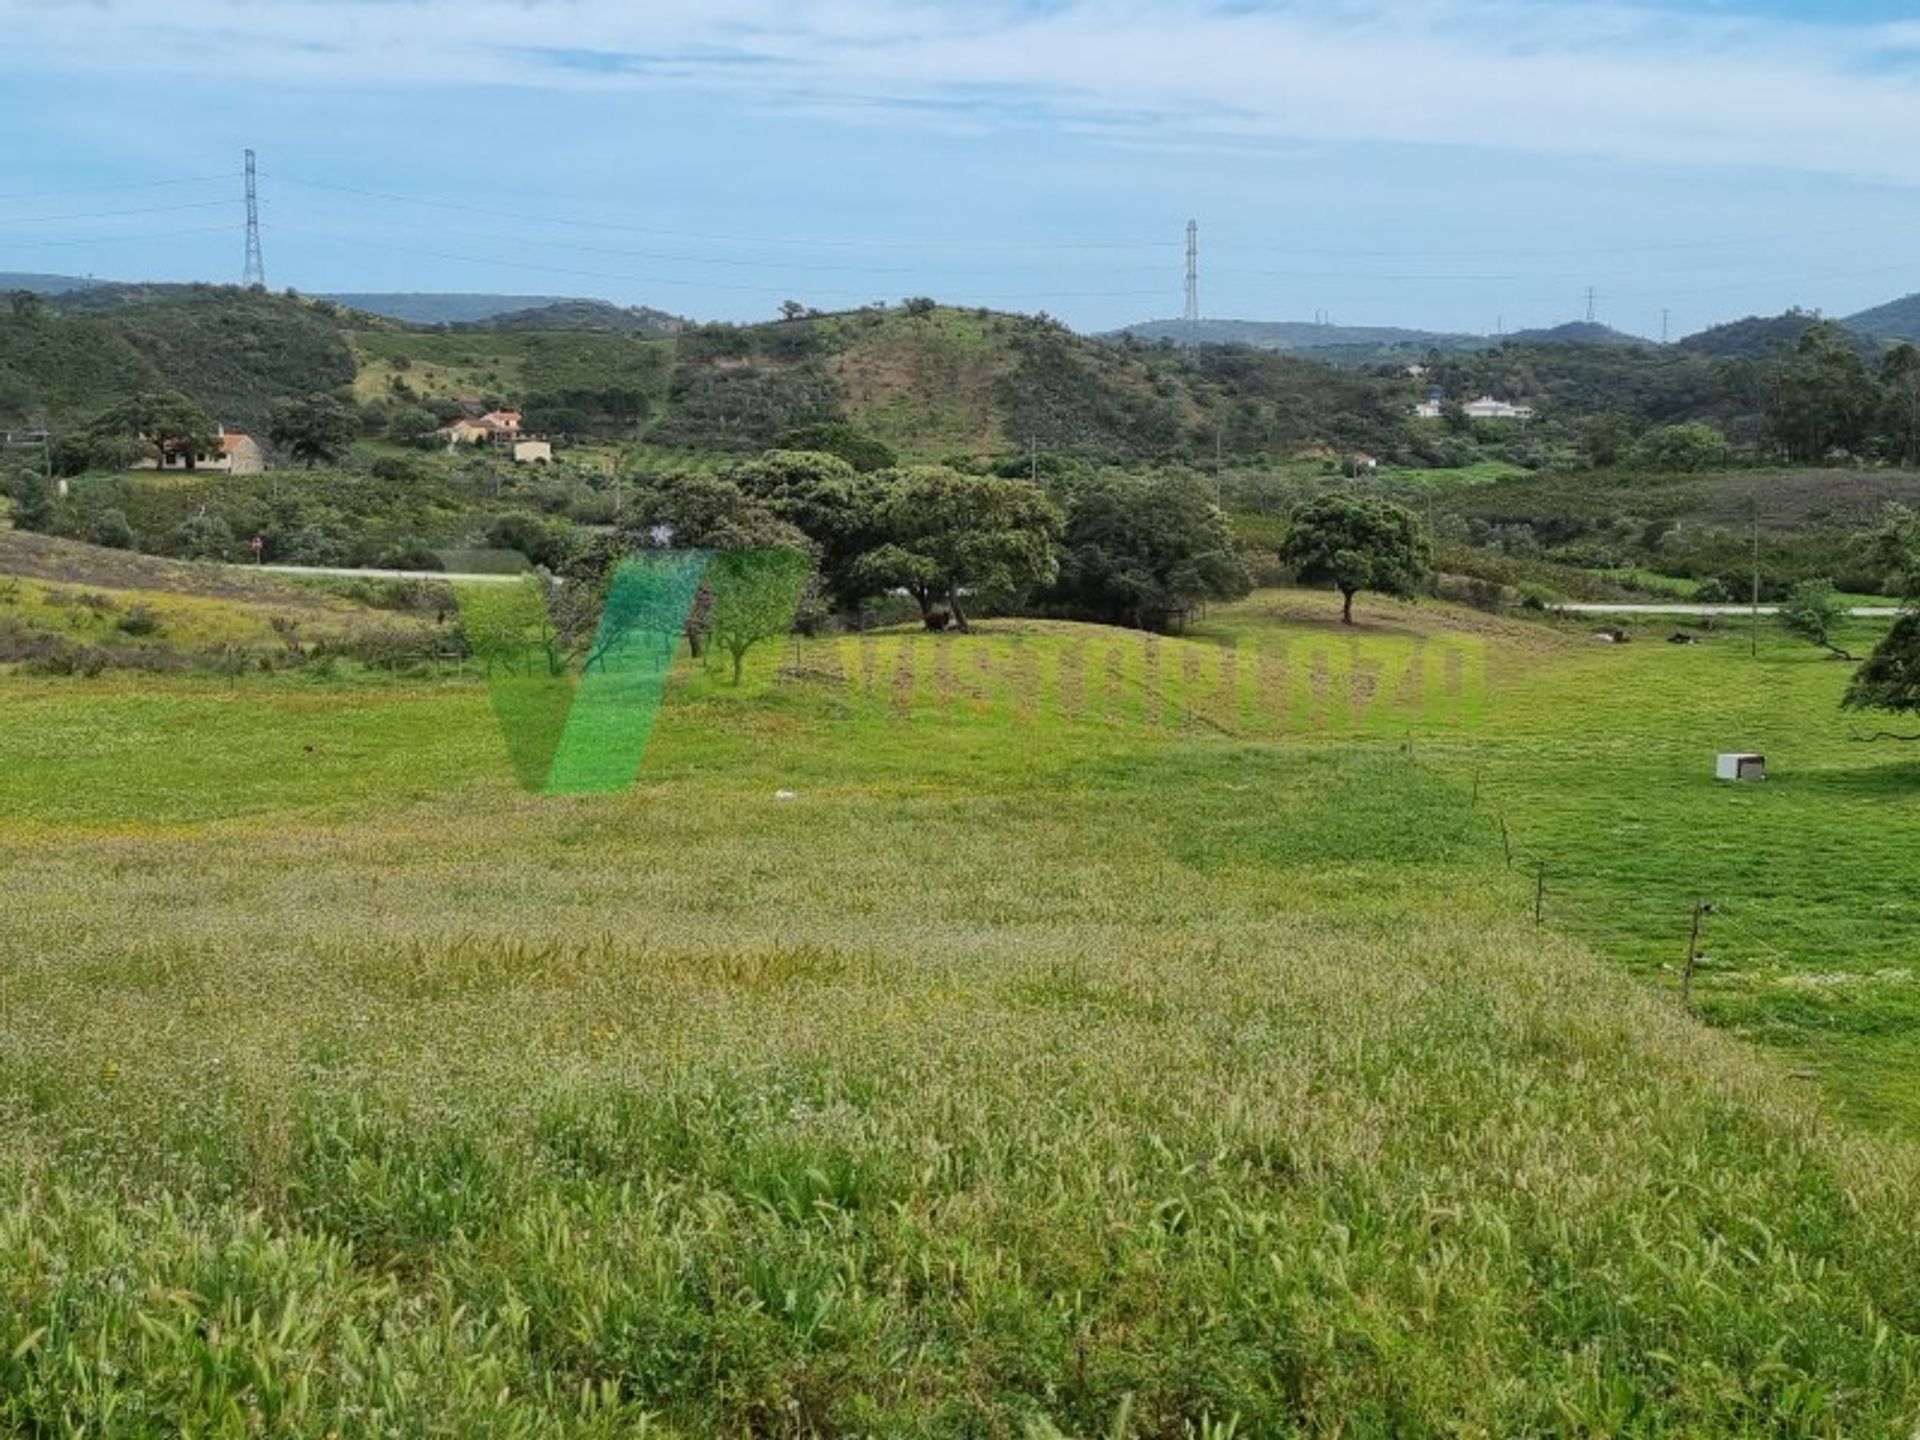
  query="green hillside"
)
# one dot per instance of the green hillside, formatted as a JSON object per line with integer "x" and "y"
{"x": 1896, "y": 320}
{"x": 930, "y": 382}
{"x": 62, "y": 361}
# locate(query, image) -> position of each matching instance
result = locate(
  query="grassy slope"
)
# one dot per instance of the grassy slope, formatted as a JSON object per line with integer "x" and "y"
{"x": 82, "y": 593}
{"x": 510, "y": 364}
{"x": 1034, "y": 1063}
{"x": 1600, "y": 759}
{"x": 928, "y": 388}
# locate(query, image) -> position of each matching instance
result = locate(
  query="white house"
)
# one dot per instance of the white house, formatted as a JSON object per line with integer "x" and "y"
{"x": 234, "y": 453}
{"x": 1488, "y": 408}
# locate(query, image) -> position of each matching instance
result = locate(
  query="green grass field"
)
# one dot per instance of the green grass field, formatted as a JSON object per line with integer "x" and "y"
{"x": 1110, "y": 1037}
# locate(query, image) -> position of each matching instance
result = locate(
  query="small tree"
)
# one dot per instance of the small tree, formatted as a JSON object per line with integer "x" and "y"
{"x": 755, "y": 596}
{"x": 1145, "y": 553}
{"x": 1358, "y": 543}
{"x": 1812, "y": 610}
{"x": 951, "y": 535}
{"x": 836, "y": 437}
{"x": 32, "y": 500}
{"x": 317, "y": 429}
{"x": 1687, "y": 448}
{"x": 1820, "y": 396}
{"x": 1900, "y": 406}
{"x": 1890, "y": 678}
{"x": 842, "y": 511}
{"x": 164, "y": 421}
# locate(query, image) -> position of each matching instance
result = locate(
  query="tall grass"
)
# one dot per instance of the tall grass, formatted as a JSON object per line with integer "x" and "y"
{"x": 1025, "y": 1075}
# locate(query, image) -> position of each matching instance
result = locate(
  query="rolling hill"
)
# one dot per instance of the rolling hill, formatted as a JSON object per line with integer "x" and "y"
{"x": 1896, "y": 320}
{"x": 1752, "y": 338}
{"x": 64, "y": 360}
{"x": 1576, "y": 332}
{"x": 11, "y": 280}
{"x": 587, "y": 315}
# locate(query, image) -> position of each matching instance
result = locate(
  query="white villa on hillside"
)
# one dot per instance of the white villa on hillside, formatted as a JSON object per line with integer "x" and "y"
{"x": 1488, "y": 408}
{"x": 1485, "y": 408}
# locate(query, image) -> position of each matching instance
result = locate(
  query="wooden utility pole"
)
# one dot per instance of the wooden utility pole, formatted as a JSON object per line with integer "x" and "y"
{"x": 1754, "y": 636}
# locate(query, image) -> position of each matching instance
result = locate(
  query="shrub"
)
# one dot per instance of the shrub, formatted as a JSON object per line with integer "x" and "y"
{"x": 140, "y": 621}
{"x": 111, "y": 529}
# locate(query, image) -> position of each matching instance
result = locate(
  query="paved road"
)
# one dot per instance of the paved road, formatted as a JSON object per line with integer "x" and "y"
{"x": 1864, "y": 612}
{"x": 378, "y": 574}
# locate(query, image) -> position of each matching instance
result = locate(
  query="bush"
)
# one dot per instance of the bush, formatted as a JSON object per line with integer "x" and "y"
{"x": 62, "y": 658}
{"x": 396, "y": 469}
{"x": 140, "y": 621}
{"x": 409, "y": 555}
{"x": 111, "y": 529}
{"x": 548, "y": 544}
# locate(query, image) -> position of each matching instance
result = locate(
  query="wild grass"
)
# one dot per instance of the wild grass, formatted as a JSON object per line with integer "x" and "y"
{"x": 1033, "y": 1071}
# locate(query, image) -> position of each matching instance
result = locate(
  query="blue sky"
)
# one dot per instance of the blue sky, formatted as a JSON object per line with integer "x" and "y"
{"x": 1455, "y": 164}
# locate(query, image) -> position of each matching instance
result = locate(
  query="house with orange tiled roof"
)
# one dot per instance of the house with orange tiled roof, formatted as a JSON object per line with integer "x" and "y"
{"x": 234, "y": 452}
{"x": 498, "y": 427}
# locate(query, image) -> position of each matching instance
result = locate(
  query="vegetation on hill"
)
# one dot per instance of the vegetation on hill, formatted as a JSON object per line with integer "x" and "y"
{"x": 232, "y": 351}
{"x": 585, "y": 315}
{"x": 72, "y": 609}
{"x": 1576, "y": 332}
{"x": 932, "y": 383}
{"x": 1896, "y": 320}
{"x": 1753, "y": 338}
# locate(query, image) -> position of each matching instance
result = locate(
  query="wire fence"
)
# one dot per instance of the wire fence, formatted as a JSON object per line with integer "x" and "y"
{"x": 1707, "y": 936}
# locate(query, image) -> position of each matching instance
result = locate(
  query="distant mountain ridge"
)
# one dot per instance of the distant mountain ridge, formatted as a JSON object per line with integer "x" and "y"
{"x": 1300, "y": 335}
{"x": 42, "y": 284}
{"x": 422, "y": 307}
{"x": 1347, "y": 345}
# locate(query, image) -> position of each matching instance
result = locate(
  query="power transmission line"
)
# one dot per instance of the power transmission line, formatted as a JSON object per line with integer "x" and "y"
{"x": 578, "y": 222}
{"x": 681, "y": 258}
{"x": 132, "y": 237}
{"x": 503, "y": 264}
{"x": 128, "y": 185}
{"x": 114, "y": 214}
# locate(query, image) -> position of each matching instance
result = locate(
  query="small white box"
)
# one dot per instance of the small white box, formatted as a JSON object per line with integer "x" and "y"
{"x": 1744, "y": 769}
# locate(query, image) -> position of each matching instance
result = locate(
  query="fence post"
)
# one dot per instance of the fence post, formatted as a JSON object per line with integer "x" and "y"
{"x": 1540, "y": 895}
{"x": 1701, "y": 909}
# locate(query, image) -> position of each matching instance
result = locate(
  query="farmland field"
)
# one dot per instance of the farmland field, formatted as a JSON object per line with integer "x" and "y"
{"x": 1107, "y": 1037}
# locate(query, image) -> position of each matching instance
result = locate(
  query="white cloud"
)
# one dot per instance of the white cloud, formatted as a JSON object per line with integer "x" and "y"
{"x": 1600, "y": 79}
